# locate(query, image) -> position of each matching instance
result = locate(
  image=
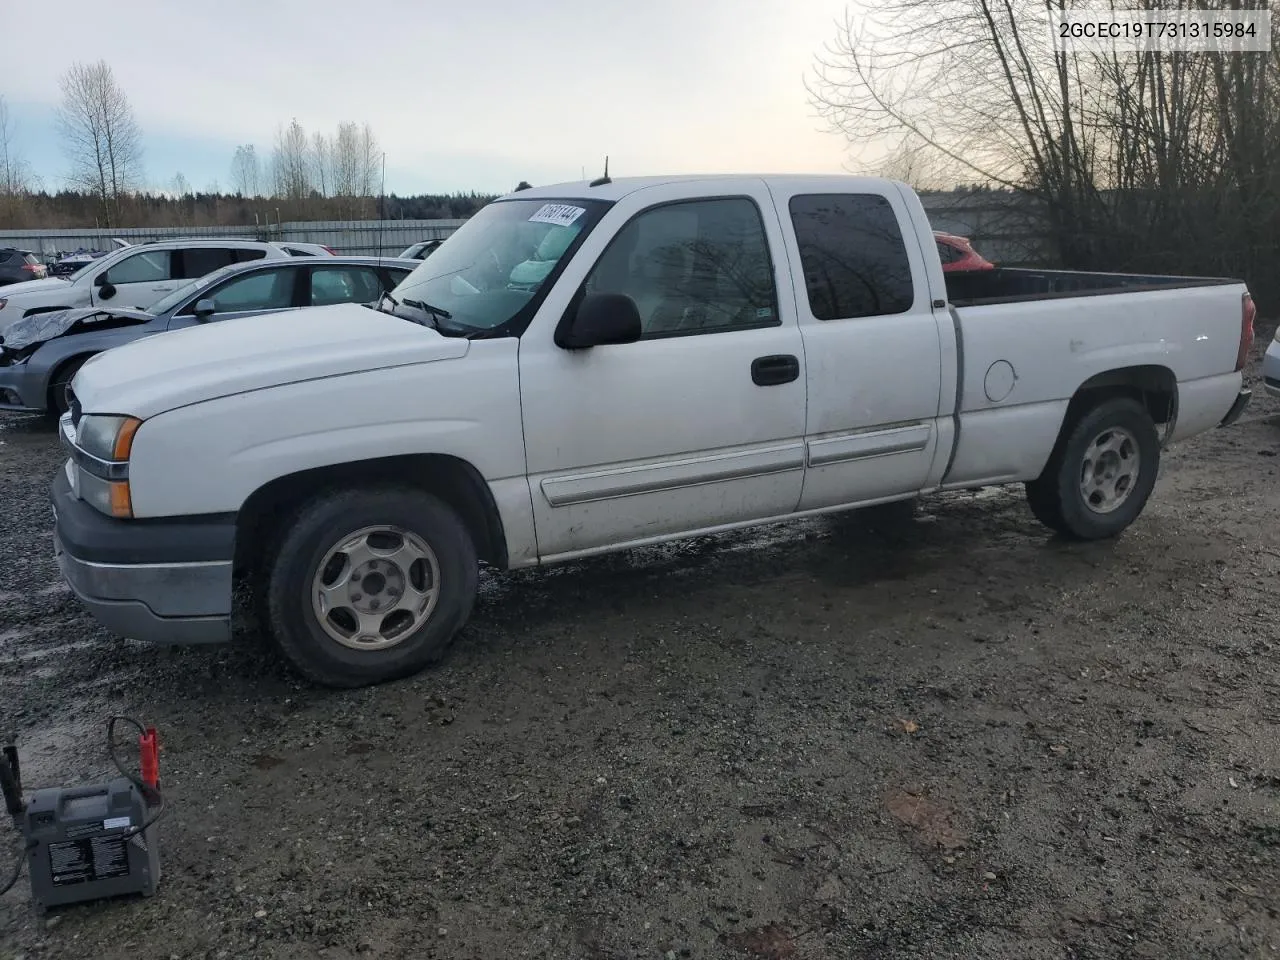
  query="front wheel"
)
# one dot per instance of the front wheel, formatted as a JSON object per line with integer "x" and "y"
{"x": 57, "y": 400}
{"x": 370, "y": 585}
{"x": 1098, "y": 480}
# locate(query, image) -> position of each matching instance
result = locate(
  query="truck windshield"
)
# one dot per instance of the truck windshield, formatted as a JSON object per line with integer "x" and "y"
{"x": 498, "y": 262}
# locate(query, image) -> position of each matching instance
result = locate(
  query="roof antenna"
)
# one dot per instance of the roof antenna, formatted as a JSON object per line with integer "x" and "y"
{"x": 601, "y": 181}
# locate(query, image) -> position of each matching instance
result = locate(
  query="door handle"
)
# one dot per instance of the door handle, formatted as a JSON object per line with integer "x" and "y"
{"x": 159, "y": 289}
{"x": 773, "y": 370}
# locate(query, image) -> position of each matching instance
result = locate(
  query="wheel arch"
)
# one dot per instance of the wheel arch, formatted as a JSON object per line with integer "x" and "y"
{"x": 1152, "y": 385}
{"x": 61, "y": 367}
{"x": 457, "y": 482}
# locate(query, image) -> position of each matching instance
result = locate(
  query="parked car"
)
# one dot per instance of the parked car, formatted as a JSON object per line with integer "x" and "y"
{"x": 957, "y": 254}
{"x": 585, "y": 368}
{"x": 18, "y": 266}
{"x": 41, "y": 353}
{"x": 1271, "y": 366}
{"x": 421, "y": 250}
{"x": 64, "y": 266}
{"x": 131, "y": 277}
{"x": 295, "y": 249}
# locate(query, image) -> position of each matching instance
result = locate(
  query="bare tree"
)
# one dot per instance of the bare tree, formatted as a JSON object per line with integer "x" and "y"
{"x": 370, "y": 166}
{"x": 101, "y": 137}
{"x": 370, "y": 163}
{"x": 246, "y": 171}
{"x": 1146, "y": 160}
{"x": 346, "y": 165}
{"x": 912, "y": 162}
{"x": 357, "y": 166}
{"x": 290, "y": 163}
{"x": 179, "y": 186}
{"x": 16, "y": 180}
{"x": 15, "y": 173}
{"x": 321, "y": 163}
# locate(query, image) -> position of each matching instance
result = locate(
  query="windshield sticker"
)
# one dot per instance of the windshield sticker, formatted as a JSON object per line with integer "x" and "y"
{"x": 561, "y": 214}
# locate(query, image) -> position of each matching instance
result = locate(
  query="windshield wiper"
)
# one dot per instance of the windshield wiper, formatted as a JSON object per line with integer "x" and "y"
{"x": 428, "y": 308}
{"x": 434, "y": 315}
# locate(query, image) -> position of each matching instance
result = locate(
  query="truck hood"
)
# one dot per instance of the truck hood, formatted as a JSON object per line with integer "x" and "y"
{"x": 41, "y": 327}
{"x": 228, "y": 357}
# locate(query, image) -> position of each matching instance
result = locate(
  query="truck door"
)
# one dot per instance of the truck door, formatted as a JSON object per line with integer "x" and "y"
{"x": 700, "y": 423}
{"x": 875, "y": 354}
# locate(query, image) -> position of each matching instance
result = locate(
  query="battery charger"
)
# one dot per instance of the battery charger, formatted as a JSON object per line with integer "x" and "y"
{"x": 90, "y": 842}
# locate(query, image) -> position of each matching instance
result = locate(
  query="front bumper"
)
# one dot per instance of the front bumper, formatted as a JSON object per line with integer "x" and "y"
{"x": 17, "y": 392}
{"x": 160, "y": 581}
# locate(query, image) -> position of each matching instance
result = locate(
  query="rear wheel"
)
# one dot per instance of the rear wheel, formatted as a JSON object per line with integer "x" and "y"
{"x": 370, "y": 585}
{"x": 1100, "y": 476}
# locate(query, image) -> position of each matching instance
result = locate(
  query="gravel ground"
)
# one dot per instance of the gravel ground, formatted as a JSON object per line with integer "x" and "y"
{"x": 816, "y": 740}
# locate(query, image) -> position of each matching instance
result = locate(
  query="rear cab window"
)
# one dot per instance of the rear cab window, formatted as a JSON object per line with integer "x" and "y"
{"x": 853, "y": 254}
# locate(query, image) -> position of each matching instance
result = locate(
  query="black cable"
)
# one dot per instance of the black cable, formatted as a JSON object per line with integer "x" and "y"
{"x": 17, "y": 869}
{"x": 152, "y": 796}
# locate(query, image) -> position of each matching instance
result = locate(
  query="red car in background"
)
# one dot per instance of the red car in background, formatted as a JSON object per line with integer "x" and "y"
{"x": 957, "y": 254}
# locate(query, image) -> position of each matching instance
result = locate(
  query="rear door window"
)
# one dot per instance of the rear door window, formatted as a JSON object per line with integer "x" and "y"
{"x": 197, "y": 261}
{"x": 331, "y": 285}
{"x": 854, "y": 258}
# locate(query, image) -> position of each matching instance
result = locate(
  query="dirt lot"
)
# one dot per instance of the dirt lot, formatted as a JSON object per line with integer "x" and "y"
{"x": 818, "y": 740}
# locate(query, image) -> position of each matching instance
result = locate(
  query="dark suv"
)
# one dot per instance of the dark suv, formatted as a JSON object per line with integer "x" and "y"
{"x": 19, "y": 265}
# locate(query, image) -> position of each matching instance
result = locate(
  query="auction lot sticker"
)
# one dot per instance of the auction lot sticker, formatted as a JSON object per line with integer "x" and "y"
{"x": 561, "y": 214}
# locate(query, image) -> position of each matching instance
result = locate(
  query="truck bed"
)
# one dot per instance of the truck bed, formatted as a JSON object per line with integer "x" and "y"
{"x": 1017, "y": 284}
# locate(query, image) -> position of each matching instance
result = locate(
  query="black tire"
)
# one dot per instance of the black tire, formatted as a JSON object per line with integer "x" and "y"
{"x": 1056, "y": 498}
{"x": 317, "y": 528}
{"x": 1042, "y": 498}
{"x": 62, "y": 378}
{"x": 892, "y": 517}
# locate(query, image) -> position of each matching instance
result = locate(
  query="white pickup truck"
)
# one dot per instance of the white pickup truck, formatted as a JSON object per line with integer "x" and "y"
{"x": 589, "y": 367}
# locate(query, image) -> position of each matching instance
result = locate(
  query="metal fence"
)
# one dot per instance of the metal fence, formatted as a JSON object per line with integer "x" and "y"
{"x": 1004, "y": 226}
{"x": 353, "y": 237}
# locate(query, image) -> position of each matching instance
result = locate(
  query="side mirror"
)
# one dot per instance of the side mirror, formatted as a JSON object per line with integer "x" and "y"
{"x": 602, "y": 318}
{"x": 106, "y": 290}
{"x": 204, "y": 309}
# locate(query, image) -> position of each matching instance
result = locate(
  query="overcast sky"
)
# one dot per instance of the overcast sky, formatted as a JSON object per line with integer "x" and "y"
{"x": 462, "y": 95}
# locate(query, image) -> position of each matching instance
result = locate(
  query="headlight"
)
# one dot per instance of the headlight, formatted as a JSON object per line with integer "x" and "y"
{"x": 2, "y": 303}
{"x": 102, "y": 448}
{"x": 107, "y": 438}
